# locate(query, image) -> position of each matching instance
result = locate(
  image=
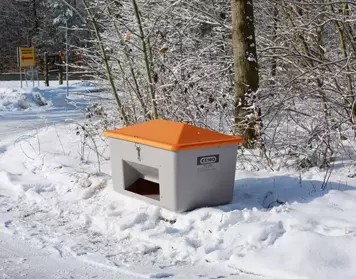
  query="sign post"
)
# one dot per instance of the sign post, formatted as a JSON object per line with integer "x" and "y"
{"x": 26, "y": 59}
{"x": 33, "y": 78}
{"x": 21, "y": 76}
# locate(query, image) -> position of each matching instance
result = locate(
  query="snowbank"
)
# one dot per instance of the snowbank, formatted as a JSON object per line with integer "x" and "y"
{"x": 276, "y": 227}
{"x": 16, "y": 100}
{"x": 303, "y": 254}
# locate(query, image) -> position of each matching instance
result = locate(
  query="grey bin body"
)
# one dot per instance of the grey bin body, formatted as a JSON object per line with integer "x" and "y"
{"x": 187, "y": 179}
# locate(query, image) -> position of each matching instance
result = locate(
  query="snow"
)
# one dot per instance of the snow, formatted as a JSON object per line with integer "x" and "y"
{"x": 60, "y": 218}
{"x": 19, "y": 106}
{"x": 12, "y": 100}
{"x": 17, "y": 99}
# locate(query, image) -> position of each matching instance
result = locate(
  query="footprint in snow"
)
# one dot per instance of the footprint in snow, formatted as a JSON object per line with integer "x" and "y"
{"x": 7, "y": 224}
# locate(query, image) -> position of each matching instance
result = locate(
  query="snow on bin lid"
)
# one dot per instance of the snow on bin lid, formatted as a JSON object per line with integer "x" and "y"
{"x": 171, "y": 135}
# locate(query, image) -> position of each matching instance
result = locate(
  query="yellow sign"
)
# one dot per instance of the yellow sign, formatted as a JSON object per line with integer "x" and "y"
{"x": 27, "y": 57}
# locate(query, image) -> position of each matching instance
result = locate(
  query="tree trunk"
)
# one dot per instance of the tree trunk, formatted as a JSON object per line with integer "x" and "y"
{"x": 274, "y": 39}
{"x": 46, "y": 73}
{"x": 246, "y": 71}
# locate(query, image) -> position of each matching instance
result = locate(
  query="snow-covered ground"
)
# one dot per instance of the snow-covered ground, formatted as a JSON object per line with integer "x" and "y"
{"x": 22, "y": 109}
{"x": 60, "y": 218}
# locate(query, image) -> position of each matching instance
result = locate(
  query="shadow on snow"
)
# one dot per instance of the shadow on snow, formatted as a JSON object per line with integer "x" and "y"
{"x": 269, "y": 192}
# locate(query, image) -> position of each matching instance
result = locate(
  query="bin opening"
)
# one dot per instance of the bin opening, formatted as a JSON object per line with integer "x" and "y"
{"x": 142, "y": 180}
{"x": 146, "y": 188}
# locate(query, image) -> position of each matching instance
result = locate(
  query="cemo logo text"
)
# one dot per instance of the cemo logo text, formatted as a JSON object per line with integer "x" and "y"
{"x": 208, "y": 160}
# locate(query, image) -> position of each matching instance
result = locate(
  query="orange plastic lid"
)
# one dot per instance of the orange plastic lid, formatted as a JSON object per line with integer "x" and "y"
{"x": 171, "y": 135}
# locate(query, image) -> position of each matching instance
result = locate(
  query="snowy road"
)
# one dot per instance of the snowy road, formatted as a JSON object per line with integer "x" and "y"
{"x": 20, "y": 260}
{"x": 18, "y": 123}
